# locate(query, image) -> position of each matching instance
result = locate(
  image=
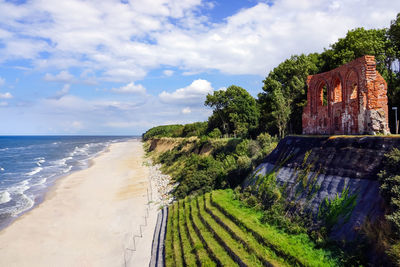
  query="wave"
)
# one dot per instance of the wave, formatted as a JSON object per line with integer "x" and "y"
{"x": 1, "y": 169}
{"x": 40, "y": 161}
{"x": 67, "y": 169}
{"x": 5, "y": 197}
{"x": 34, "y": 171}
{"x": 80, "y": 150}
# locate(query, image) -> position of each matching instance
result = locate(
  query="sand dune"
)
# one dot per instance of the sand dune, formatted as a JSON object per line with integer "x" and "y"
{"x": 88, "y": 218}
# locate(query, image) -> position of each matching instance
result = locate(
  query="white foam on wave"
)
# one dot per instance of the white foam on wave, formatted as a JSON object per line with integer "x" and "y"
{"x": 40, "y": 182}
{"x": 62, "y": 162}
{"x": 22, "y": 201}
{"x": 67, "y": 169}
{"x": 81, "y": 150}
{"x": 34, "y": 171}
{"x": 40, "y": 161}
{"x": 25, "y": 203}
{"x": 5, "y": 197}
{"x": 1, "y": 169}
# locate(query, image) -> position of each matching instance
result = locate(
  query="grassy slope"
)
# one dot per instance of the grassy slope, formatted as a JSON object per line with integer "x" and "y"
{"x": 298, "y": 249}
{"x": 263, "y": 253}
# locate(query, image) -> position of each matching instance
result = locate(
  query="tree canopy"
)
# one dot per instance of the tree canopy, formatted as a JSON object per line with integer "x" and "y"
{"x": 235, "y": 111}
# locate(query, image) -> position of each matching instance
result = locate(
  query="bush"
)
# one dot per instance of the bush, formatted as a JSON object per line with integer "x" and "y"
{"x": 390, "y": 188}
{"x": 164, "y": 131}
{"x": 242, "y": 149}
{"x": 216, "y": 133}
{"x": 194, "y": 129}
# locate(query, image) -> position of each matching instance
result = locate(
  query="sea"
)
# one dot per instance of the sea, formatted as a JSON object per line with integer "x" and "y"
{"x": 29, "y": 166}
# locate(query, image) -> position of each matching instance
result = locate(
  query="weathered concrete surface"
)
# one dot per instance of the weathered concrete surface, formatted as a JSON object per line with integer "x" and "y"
{"x": 157, "y": 249}
{"x": 337, "y": 162}
{"x": 350, "y": 99}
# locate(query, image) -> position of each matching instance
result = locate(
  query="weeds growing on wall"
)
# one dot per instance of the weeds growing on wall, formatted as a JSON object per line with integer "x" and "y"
{"x": 390, "y": 189}
{"x": 339, "y": 208}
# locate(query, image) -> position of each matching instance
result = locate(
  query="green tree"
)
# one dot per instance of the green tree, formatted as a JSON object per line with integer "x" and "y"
{"x": 281, "y": 111}
{"x": 235, "y": 111}
{"x": 394, "y": 63}
{"x": 358, "y": 42}
{"x": 284, "y": 94}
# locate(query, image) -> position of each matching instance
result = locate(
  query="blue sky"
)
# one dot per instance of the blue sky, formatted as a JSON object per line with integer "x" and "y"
{"x": 121, "y": 67}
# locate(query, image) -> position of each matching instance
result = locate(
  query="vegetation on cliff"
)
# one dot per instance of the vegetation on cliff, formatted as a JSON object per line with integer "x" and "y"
{"x": 217, "y": 229}
{"x": 390, "y": 190}
{"x": 201, "y": 164}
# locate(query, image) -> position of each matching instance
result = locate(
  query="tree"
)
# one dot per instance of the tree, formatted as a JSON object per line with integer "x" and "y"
{"x": 357, "y": 43}
{"x": 286, "y": 84}
{"x": 281, "y": 111}
{"x": 394, "y": 81}
{"x": 235, "y": 111}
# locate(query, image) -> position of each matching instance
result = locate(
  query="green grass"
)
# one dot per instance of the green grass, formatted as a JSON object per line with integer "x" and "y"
{"x": 296, "y": 249}
{"x": 219, "y": 252}
{"x": 178, "y": 256}
{"x": 216, "y": 229}
{"x": 225, "y": 238}
{"x": 188, "y": 255}
{"x": 198, "y": 246}
{"x": 263, "y": 253}
{"x": 169, "y": 254}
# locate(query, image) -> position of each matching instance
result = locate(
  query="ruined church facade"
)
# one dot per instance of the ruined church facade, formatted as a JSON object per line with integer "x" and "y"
{"x": 350, "y": 99}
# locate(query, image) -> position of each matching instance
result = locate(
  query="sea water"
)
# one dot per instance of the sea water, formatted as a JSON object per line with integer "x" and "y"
{"x": 29, "y": 165}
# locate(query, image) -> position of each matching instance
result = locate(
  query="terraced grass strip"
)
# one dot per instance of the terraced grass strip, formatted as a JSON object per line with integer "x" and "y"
{"x": 201, "y": 253}
{"x": 169, "y": 252}
{"x": 263, "y": 253}
{"x": 217, "y": 252}
{"x": 234, "y": 248}
{"x": 178, "y": 257}
{"x": 188, "y": 255}
{"x": 296, "y": 249}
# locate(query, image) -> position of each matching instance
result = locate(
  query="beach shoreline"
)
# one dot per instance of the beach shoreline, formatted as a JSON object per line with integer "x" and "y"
{"x": 89, "y": 217}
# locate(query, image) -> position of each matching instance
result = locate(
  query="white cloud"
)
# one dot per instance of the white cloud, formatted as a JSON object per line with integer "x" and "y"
{"x": 63, "y": 92}
{"x": 123, "y": 42}
{"x": 130, "y": 88}
{"x": 2, "y": 81}
{"x": 186, "y": 110}
{"x": 6, "y": 95}
{"x": 168, "y": 73}
{"x": 3, "y": 104}
{"x": 193, "y": 94}
{"x": 63, "y": 76}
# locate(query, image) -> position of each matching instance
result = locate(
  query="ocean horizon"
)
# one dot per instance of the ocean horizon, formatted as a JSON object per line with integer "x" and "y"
{"x": 29, "y": 166}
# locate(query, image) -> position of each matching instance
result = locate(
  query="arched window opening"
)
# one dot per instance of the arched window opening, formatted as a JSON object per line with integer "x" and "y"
{"x": 322, "y": 94}
{"x": 337, "y": 91}
{"x": 354, "y": 88}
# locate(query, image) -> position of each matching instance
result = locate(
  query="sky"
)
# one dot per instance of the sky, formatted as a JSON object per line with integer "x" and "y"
{"x": 108, "y": 67}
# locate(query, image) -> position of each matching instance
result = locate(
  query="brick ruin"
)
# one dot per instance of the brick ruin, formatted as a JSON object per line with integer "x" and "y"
{"x": 350, "y": 99}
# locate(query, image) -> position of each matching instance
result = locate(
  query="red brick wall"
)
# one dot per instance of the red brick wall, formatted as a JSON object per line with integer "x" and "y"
{"x": 356, "y": 100}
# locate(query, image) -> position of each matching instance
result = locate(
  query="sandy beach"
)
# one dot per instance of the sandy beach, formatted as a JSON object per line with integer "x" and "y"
{"x": 90, "y": 217}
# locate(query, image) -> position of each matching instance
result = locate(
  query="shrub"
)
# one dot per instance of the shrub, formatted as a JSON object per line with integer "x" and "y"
{"x": 390, "y": 187}
{"x": 242, "y": 149}
{"x": 164, "y": 131}
{"x": 194, "y": 129}
{"x": 215, "y": 133}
